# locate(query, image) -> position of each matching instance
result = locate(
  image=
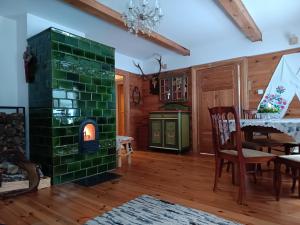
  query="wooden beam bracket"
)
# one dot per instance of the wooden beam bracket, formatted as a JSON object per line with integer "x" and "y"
{"x": 240, "y": 15}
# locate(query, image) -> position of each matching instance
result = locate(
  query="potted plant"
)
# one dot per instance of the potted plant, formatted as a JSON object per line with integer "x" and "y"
{"x": 268, "y": 111}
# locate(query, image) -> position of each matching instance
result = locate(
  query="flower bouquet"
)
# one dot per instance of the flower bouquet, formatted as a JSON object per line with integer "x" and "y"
{"x": 272, "y": 104}
{"x": 268, "y": 111}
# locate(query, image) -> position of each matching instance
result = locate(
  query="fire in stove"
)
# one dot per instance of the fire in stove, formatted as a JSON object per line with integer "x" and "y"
{"x": 88, "y": 136}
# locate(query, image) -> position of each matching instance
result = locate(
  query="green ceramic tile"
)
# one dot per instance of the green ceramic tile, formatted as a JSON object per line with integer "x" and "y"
{"x": 67, "y": 177}
{"x": 97, "y": 81}
{"x": 102, "y": 168}
{"x": 90, "y": 88}
{"x": 67, "y": 159}
{"x": 81, "y": 73}
{"x": 84, "y": 45}
{"x": 71, "y": 41}
{"x": 85, "y": 96}
{"x": 78, "y": 52}
{"x": 72, "y": 95}
{"x": 100, "y": 58}
{"x": 92, "y": 170}
{"x": 80, "y": 174}
{"x": 85, "y": 79}
{"x": 97, "y": 161}
{"x": 56, "y": 180}
{"x": 90, "y": 55}
{"x": 78, "y": 86}
{"x": 60, "y": 169}
{"x": 97, "y": 97}
{"x": 64, "y": 103}
{"x": 73, "y": 166}
{"x": 91, "y": 104}
{"x": 86, "y": 164}
{"x": 73, "y": 76}
{"x": 97, "y": 112}
{"x": 65, "y": 48}
{"x": 65, "y": 84}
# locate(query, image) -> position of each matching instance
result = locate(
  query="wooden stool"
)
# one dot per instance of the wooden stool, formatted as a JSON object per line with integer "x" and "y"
{"x": 124, "y": 143}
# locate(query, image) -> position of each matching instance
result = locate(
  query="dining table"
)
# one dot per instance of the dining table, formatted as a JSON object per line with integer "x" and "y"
{"x": 289, "y": 126}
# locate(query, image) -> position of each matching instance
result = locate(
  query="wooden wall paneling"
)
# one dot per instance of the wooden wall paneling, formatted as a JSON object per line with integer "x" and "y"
{"x": 194, "y": 119}
{"x": 136, "y": 110}
{"x": 220, "y": 83}
{"x": 153, "y": 103}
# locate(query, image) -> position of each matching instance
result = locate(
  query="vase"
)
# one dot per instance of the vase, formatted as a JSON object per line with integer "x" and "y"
{"x": 268, "y": 116}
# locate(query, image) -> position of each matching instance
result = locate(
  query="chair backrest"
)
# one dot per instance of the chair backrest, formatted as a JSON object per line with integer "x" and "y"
{"x": 250, "y": 113}
{"x": 222, "y": 118}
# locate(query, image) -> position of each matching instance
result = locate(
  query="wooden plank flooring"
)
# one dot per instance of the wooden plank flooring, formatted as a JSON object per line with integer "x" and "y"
{"x": 183, "y": 179}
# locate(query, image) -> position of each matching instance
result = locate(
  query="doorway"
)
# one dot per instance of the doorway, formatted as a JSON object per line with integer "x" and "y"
{"x": 120, "y": 105}
{"x": 215, "y": 85}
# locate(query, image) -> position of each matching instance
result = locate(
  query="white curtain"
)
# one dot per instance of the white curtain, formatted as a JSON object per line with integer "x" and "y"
{"x": 284, "y": 85}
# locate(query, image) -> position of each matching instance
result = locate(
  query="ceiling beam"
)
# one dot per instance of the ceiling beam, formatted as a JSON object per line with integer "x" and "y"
{"x": 111, "y": 16}
{"x": 240, "y": 15}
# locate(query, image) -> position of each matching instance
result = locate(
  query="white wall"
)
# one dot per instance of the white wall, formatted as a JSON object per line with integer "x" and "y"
{"x": 228, "y": 48}
{"x": 126, "y": 63}
{"x": 37, "y": 24}
{"x": 8, "y": 61}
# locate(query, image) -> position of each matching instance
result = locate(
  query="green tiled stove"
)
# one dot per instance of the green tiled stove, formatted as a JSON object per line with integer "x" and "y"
{"x": 72, "y": 106}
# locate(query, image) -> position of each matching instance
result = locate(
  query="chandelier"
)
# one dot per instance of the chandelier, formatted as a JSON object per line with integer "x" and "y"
{"x": 142, "y": 17}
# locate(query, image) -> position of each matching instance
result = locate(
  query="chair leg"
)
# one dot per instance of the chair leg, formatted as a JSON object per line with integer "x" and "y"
{"x": 259, "y": 169}
{"x": 241, "y": 196}
{"x": 233, "y": 174}
{"x": 294, "y": 178}
{"x": 269, "y": 151}
{"x": 217, "y": 169}
{"x": 228, "y": 167}
{"x": 221, "y": 167}
{"x": 287, "y": 151}
{"x": 299, "y": 185}
{"x": 254, "y": 173}
{"x": 277, "y": 180}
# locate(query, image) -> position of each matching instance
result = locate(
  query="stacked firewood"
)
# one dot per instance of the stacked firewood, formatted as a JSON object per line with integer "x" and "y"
{"x": 13, "y": 164}
{"x": 12, "y": 133}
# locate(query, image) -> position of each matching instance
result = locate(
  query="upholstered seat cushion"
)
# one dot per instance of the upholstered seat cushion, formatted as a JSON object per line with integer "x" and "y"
{"x": 248, "y": 153}
{"x": 294, "y": 158}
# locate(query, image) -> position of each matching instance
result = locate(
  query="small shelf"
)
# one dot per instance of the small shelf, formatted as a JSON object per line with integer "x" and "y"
{"x": 174, "y": 89}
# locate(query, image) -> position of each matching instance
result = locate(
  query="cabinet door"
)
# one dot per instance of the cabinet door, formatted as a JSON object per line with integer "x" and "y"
{"x": 171, "y": 133}
{"x": 156, "y": 133}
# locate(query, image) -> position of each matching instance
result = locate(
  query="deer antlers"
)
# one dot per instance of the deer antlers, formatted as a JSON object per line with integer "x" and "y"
{"x": 144, "y": 76}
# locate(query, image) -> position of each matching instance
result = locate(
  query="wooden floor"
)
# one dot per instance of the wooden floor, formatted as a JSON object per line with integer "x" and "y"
{"x": 184, "y": 179}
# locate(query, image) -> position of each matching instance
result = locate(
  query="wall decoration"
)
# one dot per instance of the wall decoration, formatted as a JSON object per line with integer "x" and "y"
{"x": 154, "y": 79}
{"x": 29, "y": 65}
{"x": 136, "y": 95}
{"x": 154, "y": 85}
{"x": 284, "y": 85}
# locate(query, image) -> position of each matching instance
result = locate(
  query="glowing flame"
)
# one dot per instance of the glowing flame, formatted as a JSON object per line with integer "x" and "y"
{"x": 89, "y": 132}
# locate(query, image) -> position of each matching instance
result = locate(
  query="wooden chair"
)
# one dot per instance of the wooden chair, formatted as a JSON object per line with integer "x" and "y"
{"x": 228, "y": 146}
{"x": 292, "y": 161}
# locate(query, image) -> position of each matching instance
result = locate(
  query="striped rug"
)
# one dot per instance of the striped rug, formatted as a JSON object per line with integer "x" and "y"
{"x": 149, "y": 210}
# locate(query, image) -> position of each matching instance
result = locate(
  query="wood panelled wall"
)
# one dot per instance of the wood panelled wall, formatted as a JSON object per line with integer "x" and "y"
{"x": 152, "y": 102}
{"x": 260, "y": 71}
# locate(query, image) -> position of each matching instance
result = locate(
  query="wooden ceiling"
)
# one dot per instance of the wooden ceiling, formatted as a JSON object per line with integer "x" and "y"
{"x": 105, "y": 13}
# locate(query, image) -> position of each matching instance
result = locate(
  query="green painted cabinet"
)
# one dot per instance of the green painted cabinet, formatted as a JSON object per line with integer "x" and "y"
{"x": 169, "y": 130}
